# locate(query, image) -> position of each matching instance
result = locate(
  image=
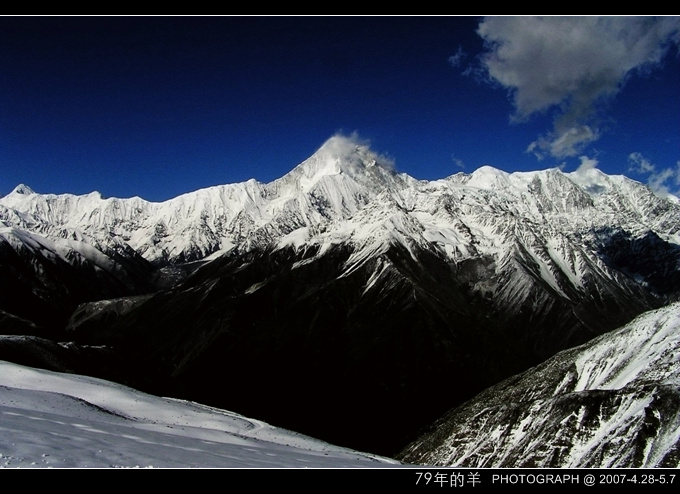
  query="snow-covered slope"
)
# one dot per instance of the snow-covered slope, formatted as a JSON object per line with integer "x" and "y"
{"x": 613, "y": 402}
{"x": 52, "y": 420}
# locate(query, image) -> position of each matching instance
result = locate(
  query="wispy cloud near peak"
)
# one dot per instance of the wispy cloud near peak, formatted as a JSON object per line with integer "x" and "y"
{"x": 664, "y": 183}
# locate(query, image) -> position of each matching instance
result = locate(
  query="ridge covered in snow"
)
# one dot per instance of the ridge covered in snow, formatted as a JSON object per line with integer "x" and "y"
{"x": 326, "y": 192}
{"x": 612, "y": 402}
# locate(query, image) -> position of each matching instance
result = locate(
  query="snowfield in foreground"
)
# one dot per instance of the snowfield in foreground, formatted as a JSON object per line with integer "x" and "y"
{"x": 57, "y": 420}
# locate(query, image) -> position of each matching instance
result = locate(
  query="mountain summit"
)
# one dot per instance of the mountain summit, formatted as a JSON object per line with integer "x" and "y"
{"x": 22, "y": 189}
{"x": 340, "y": 154}
{"x": 362, "y": 301}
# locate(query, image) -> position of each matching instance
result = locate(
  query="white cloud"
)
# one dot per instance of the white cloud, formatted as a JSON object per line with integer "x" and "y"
{"x": 664, "y": 183}
{"x": 570, "y": 65}
{"x": 457, "y": 59}
{"x": 567, "y": 142}
{"x": 639, "y": 163}
{"x": 458, "y": 162}
{"x": 345, "y": 146}
{"x": 587, "y": 177}
{"x": 586, "y": 164}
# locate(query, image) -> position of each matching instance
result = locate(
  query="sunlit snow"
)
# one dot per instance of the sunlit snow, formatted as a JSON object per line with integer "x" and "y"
{"x": 57, "y": 420}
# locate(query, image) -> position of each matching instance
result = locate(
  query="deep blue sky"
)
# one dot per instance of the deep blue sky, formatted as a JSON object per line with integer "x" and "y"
{"x": 159, "y": 106}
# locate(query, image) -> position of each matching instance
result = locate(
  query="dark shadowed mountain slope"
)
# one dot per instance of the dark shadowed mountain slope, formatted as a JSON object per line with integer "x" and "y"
{"x": 374, "y": 344}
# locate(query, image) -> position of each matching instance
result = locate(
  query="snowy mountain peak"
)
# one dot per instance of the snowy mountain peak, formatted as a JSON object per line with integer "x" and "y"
{"x": 23, "y": 190}
{"x": 338, "y": 155}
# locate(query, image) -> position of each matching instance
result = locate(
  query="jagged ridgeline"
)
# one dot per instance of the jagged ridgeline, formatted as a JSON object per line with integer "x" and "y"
{"x": 343, "y": 300}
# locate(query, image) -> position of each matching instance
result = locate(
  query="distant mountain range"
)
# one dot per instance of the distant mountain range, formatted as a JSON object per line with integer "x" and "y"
{"x": 361, "y": 303}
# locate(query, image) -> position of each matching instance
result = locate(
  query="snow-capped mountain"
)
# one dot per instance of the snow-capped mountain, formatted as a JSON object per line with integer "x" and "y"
{"x": 613, "y": 402}
{"x": 332, "y": 185}
{"x": 345, "y": 191}
{"x": 353, "y": 291}
{"x": 338, "y": 181}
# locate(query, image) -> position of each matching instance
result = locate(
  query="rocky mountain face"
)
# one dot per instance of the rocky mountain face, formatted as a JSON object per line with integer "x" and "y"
{"x": 44, "y": 279}
{"x": 613, "y": 402}
{"x": 342, "y": 289}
